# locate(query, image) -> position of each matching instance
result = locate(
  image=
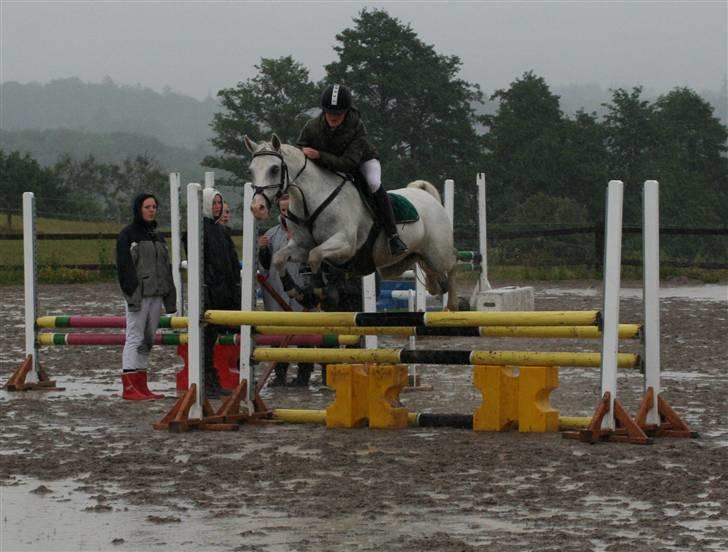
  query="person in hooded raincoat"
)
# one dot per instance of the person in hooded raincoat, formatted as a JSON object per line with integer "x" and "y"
{"x": 145, "y": 278}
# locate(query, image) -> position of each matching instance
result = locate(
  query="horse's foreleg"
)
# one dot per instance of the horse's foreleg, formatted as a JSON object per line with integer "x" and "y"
{"x": 295, "y": 253}
{"x": 337, "y": 249}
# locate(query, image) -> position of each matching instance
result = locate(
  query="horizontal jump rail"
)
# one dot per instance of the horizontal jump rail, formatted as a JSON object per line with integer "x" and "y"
{"x": 443, "y": 357}
{"x": 387, "y": 319}
{"x": 626, "y": 331}
{"x": 59, "y": 339}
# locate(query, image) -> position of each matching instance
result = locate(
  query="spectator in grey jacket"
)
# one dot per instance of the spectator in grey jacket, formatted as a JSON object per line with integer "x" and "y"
{"x": 268, "y": 244}
{"x": 145, "y": 277}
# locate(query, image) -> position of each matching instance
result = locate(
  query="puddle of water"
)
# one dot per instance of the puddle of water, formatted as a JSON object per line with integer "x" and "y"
{"x": 58, "y": 518}
{"x": 681, "y": 376}
{"x": 707, "y": 292}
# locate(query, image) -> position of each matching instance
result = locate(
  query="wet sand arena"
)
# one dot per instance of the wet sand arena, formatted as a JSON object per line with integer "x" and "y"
{"x": 84, "y": 470}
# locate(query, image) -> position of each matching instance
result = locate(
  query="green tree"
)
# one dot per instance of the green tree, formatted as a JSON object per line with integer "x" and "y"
{"x": 631, "y": 140}
{"x": 418, "y": 112}
{"x": 690, "y": 159}
{"x": 534, "y": 149}
{"x": 276, "y": 100}
{"x": 21, "y": 173}
{"x": 99, "y": 190}
{"x": 521, "y": 142}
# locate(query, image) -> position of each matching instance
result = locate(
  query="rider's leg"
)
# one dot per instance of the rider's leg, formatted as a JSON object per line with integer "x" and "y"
{"x": 372, "y": 172}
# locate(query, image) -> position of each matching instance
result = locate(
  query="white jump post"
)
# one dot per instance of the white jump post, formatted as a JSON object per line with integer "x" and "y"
{"x": 30, "y": 276}
{"x": 247, "y": 294}
{"x": 651, "y": 293}
{"x": 194, "y": 290}
{"x": 483, "y": 283}
{"x": 175, "y": 232}
{"x": 209, "y": 179}
{"x": 610, "y": 300}
{"x": 484, "y": 297}
{"x": 369, "y": 304}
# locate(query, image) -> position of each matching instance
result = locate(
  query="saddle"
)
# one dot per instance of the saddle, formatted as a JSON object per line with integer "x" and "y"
{"x": 404, "y": 213}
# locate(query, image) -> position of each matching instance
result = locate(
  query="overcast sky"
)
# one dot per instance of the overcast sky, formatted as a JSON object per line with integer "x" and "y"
{"x": 199, "y": 47}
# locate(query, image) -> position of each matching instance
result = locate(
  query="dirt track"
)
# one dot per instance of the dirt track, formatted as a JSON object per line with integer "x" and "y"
{"x": 82, "y": 469}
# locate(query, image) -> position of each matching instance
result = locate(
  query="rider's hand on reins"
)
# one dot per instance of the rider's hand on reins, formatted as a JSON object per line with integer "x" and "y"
{"x": 311, "y": 153}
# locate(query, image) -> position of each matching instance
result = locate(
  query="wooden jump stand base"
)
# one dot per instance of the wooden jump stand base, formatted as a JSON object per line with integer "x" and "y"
{"x": 635, "y": 431}
{"x": 17, "y": 379}
{"x": 228, "y": 417}
{"x": 671, "y": 424}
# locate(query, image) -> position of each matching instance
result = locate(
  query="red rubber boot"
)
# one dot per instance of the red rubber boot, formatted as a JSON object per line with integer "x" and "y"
{"x": 129, "y": 381}
{"x": 141, "y": 382}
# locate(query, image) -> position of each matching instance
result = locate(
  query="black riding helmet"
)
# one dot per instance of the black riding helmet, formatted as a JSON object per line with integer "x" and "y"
{"x": 336, "y": 99}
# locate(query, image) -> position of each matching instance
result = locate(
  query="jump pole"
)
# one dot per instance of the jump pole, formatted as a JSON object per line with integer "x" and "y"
{"x": 247, "y": 295}
{"x": 610, "y": 299}
{"x": 651, "y": 295}
{"x": 441, "y": 357}
{"x": 655, "y": 416}
{"x": 611, "y": 421}
{"x": 386, "y": 319}
{"x": 195, "y": 262}
{"x": 174, "y": 221}
{"x": 30, "y": 256}
{"x": 30, "y": 375}
{"x": 483, "y": 283}
{"x": 626, "y": 331}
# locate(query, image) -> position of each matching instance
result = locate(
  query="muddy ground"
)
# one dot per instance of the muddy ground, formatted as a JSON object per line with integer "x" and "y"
{"x": 84, "y": 470}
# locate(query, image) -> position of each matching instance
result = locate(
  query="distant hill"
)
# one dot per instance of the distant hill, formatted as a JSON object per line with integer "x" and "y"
{"x": 46, "y": 146}
{"x": 107, "y": 107}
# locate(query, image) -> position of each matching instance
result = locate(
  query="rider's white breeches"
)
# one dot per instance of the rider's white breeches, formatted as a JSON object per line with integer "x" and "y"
{"x": 372, "y": 171}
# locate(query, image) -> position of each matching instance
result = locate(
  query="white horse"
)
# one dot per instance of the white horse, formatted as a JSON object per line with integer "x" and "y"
{"x": 330, "y": 222}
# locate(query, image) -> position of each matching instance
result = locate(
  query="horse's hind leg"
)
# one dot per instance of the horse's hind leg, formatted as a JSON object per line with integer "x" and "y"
{"x": 452, "y": 290}
{"x": 441, "y": 278}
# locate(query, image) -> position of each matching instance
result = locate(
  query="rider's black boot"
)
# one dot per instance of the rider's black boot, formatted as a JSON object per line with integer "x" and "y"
{"x": 386, "y": 216}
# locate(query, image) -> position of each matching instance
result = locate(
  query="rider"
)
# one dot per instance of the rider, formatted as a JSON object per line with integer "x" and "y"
{"x": 337, "y": 140}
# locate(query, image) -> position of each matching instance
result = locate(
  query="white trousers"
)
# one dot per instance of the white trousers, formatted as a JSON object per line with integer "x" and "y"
{"x": 372, "y": 172}
{"x": 141, "y": 326}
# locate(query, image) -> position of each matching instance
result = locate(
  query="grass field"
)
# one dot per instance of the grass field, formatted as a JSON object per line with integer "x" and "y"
{"x": 53, "y": 254}
{"x": 59, "y": 225}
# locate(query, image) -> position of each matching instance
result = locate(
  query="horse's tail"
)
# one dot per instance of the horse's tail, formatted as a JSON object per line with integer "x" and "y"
{"x": 426, "y": 186}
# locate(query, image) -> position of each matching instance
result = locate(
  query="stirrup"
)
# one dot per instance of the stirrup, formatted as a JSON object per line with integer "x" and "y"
{"x": 396, "y": 246}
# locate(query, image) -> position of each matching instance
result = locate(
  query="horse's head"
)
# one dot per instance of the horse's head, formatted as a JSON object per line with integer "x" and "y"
{"x": 269, "y": 172}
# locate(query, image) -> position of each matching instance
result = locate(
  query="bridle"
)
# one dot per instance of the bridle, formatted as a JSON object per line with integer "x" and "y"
{"x": 285, "y": 180}
{"x": 286, "y": 183}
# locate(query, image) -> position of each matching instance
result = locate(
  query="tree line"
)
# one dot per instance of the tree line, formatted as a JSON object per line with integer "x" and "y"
{"x": 79, "y": 189}
{"x": 543, "y": 166}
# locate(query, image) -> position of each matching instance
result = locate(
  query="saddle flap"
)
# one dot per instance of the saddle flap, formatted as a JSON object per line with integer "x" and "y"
{"x": 404, "y": 211}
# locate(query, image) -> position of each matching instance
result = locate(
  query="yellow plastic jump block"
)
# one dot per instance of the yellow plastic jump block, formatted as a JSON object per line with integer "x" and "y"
{"x": 535, "y": 413}
{"x": 367, "y": 393}
{"x": 516, "y": 400}
{"x": 351, "y": 404}
{"x": 385, "y": 384}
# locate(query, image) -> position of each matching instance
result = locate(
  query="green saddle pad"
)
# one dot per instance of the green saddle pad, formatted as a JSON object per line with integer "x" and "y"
{"x": 404, "y": 211}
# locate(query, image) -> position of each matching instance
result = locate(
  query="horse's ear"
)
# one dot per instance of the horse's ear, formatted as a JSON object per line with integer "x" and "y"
{"x": 276, "y": 142}
{"x": 252, "y": 146}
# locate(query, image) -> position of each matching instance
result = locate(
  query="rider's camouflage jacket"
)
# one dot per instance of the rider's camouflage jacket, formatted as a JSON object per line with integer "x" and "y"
{"x": 343, "y": 148}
